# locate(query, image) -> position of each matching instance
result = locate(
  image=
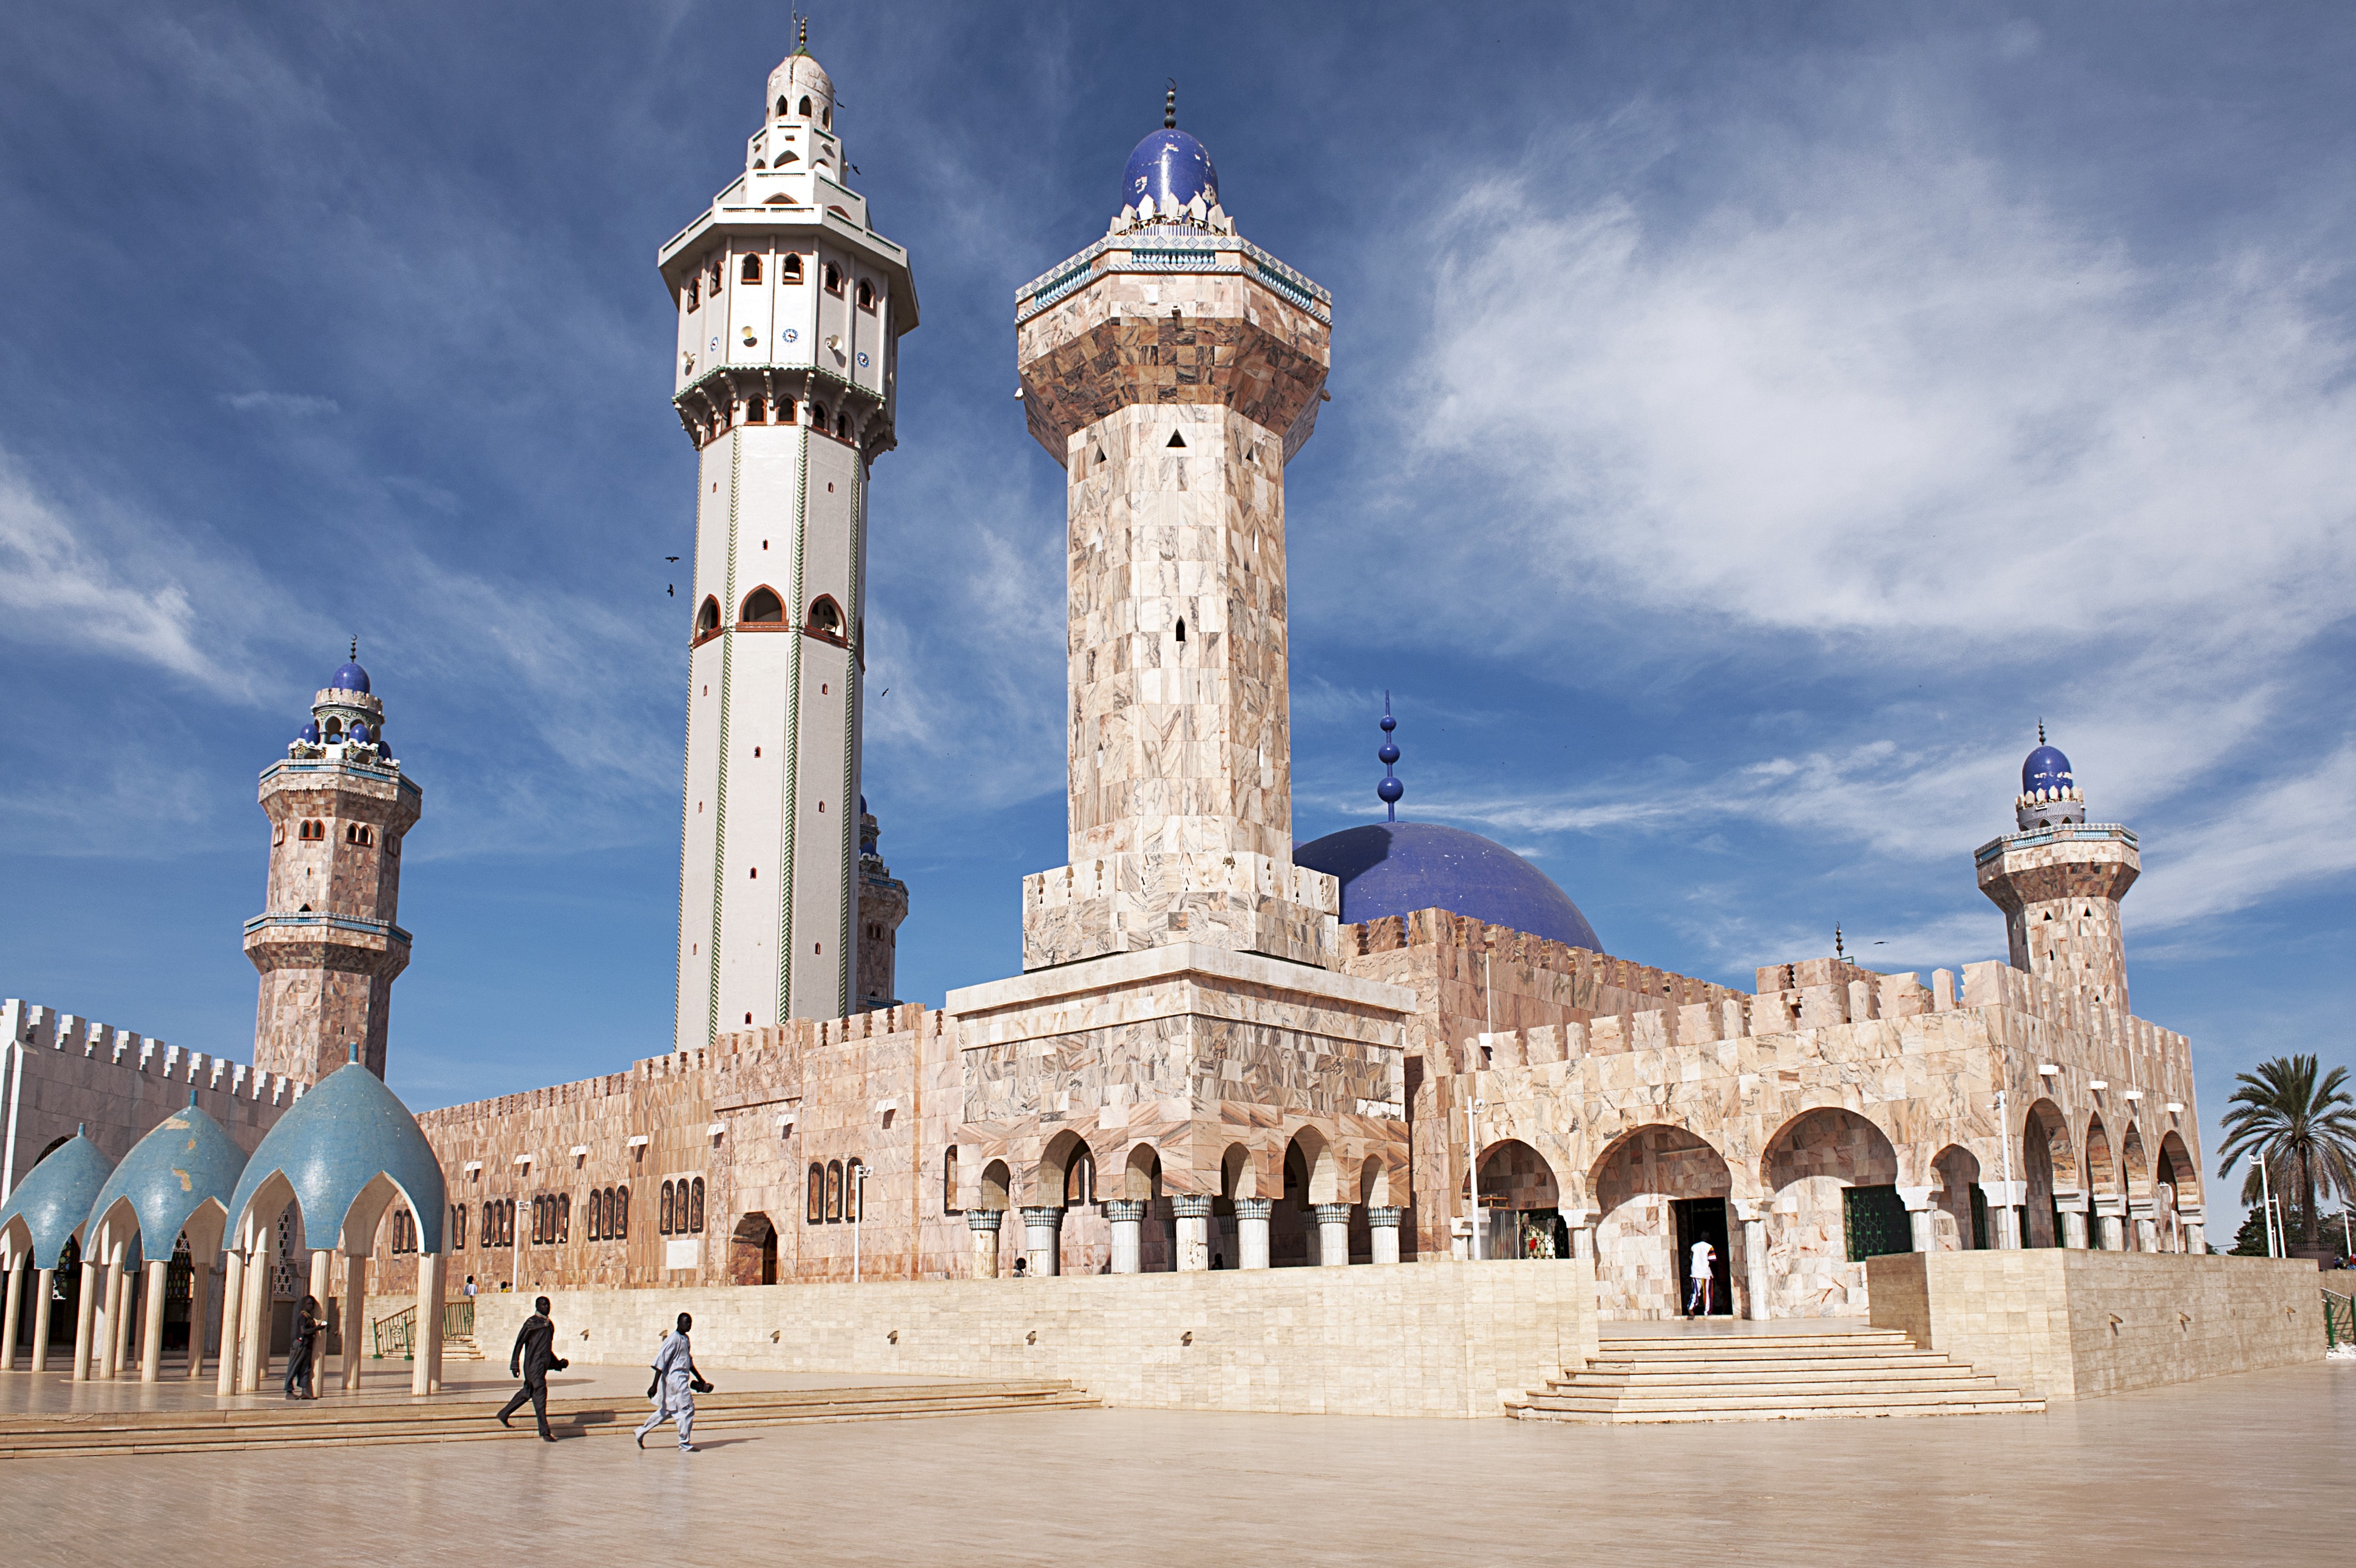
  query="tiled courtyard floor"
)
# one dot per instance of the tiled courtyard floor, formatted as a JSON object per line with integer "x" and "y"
{"x": 2255, "y": 1469}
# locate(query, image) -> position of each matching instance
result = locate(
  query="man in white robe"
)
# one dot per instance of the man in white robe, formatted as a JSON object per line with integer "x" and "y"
{"x": 674, "y": 1387}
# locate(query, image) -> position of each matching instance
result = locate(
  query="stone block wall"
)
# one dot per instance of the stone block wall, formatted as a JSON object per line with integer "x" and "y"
{"x": 2063, "y": 1324}
{"x": 1450, "y": 1340}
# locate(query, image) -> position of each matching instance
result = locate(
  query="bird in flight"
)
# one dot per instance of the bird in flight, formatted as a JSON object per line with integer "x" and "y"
{"x": 670, "y": 558}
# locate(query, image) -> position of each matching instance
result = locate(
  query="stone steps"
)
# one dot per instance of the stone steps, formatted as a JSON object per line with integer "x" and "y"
{"x": 337, "y": 1423}
{"x": 1765, "y": 1377}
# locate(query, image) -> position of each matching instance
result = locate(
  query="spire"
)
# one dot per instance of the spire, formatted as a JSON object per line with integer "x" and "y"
{"x": 1169, "y": 107}
{"x": 801, "y": 34}
{"x": 2040, "y": 732}
{"x": 1390, "y": 789}
{"x": 1839, "y": 952}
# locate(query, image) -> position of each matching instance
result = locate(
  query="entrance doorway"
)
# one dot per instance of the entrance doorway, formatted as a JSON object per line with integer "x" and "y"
{"x": 1704, "y": 1219}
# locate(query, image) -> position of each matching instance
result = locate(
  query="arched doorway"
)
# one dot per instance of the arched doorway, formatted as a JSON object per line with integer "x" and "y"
{"x": 1521, "y": 1204}
{"x": 1660, "y": 1189}
{"x": 2103, "y": 1198}
{"x": 1963, "y": 1211}
{"x": 2177, "y": 1193}
{"x": 752, "y": 1251}
{"x": 2050, "y": 1166}
{"x": 1835, "y": 1180}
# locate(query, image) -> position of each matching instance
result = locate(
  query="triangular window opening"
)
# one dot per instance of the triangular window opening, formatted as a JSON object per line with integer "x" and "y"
{"x": 1177, "y": 440}
{"x": 1100, "y": 457}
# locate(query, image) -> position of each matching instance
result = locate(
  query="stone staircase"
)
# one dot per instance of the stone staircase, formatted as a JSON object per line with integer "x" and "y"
{"x": 372, "y": 1420}
{"x": 1767, "y": 1377}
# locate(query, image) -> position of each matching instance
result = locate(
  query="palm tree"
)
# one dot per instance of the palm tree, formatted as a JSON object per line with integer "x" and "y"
{"x": 2283, "y": 1117}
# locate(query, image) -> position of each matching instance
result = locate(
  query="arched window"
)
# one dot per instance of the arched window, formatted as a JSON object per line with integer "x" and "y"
{"x": 458, "y": 1227}
{"x": 490, "y": 1223}
{"x": 781, "y": 107}
{"x": 695, "y": 1209}
{"x": 948, "y": 1181}
{"x": 719, "y": 267}
{"x": 707, "y": 619}
{"x": 805, "y": 107}
{"x": 621, "y": 1214}
{"x": 851, "y": 1171}
{"x": 824, "y": 618}
{"x": 814, "y": 1213}
{"x": 695, "y": 291}
{"x": 1181, "y": 629}
{"x": 818, "y": 416}
{"x": 833, "y": 278}
{"x": 866, "y": 294}
{"x": 335, "y": 730}
{"x": 825, "y": 117}
{"x": 313, "y": 831}
{"x": 793, "y": 269}
{"x": 565, "y": 1216}
{"x": 1080, "y": 1180}
{"x": 785, "y": 411}
{"x": 750, "y": 271}
{"x": 833, "y": 1191}
{"x": 756, "y": 411}
{"x": 762, "y": 608}
{"x": 535, "y": 1221}
{"x": 664, "y": 1213}
{"x": 843, "y": 425}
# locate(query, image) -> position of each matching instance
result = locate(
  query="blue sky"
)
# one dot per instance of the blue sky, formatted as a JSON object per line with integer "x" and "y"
{"x": 1746, "y": 425}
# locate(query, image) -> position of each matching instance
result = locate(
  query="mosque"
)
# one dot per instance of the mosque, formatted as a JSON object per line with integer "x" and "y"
{"x": 1398, "y": 1044}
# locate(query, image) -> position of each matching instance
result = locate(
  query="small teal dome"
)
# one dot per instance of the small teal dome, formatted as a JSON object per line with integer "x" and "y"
{"x": 351, "y": 678}
{"x": 1173, "y": 169}
{"x": 2046, "y": 768}
{"x": 1397, "y": 868}
{"x": 340, "y": 1136}
{"x": 55, "y": 1197}
{"x": 186, "y": 1162}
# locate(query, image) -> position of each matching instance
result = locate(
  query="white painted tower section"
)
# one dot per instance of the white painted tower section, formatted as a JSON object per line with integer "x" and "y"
{"x": 789, "y": 311}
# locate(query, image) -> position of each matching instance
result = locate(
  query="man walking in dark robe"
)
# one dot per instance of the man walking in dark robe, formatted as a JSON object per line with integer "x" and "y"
{"x": 532, "y": 1359}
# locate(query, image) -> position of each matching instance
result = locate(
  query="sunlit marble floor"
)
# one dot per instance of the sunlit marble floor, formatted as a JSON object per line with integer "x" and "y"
{"x": 2252, "y": 1469}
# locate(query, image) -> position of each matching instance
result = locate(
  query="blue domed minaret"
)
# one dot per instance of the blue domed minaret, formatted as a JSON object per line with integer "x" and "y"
{"x": 325, "y": 944}
{"x": 2059, "y": 881}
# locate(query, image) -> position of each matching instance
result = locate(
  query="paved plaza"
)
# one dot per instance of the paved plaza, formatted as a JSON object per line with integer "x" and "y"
{"x": 2250, "y": 1469}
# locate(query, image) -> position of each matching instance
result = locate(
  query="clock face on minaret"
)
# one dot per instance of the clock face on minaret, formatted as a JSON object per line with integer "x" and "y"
{"x": 790, "y": 308}
{"x": 1172, "y": 369}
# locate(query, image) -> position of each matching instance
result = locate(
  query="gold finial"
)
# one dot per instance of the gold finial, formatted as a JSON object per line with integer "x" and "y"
{"x": 801, "y": 38}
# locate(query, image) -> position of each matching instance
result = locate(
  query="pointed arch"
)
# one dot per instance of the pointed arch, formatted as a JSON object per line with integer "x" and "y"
{"x": 762, "y": 607}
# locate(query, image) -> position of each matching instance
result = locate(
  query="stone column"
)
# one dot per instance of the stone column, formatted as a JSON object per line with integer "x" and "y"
{"x": 151, "y": 1323}
{"x": 1128, "y": 1217}
{"x": 425, "y": 1372}
{"x": 253, "y": 1321}
{"x": 2144, "y": 1229}
{"x": 2004, "y": 1215}
{"x": 322, "y": 1270}
{"x": 1333, "y": 1235}
{"x": 2074, "y": 1228}
{"x": 1382, "y": 1230}
{"x": 1194, "y": 1217}
{"x": 2196, "y": 1241}
{"x": 1917, "y": 1201}
{"x": 1251, "y": 1232}
{"x": 1043, "y": 1240}
{"x": 45, "y": 1282}
{"x": 118, "y": 1318}
{"x": 2110, "y": 1226}
{"x": 200, "y": 1307}
{"x": 9, "y": 1316}
{"x": 232, "y": 1313}
{"x": 985, "y": 1223}
{"x": 1755, "y": 1265}
{"x": 85, "y": 1317}
{"x": 356, "y": 1324}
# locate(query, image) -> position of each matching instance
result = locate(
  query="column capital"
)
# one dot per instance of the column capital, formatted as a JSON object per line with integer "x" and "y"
{"x": 984, "y": 1218}
{"x": 1254, "y": 1208}
{"x": 1125, "y": 1210}
{"x": 1043, "y": 1214}
{"x": 1332, "y": 1213}
{"x": 1383, "y": 1217}
{"x": 1188, "y": 1206}
{"x": 1916, "y": 1198}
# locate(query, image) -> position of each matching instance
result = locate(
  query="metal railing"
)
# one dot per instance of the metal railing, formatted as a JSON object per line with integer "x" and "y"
{"x": 2339, "y": 1320}
{"x": 457, "y": 1319}
{"x": 397, "y": 1334}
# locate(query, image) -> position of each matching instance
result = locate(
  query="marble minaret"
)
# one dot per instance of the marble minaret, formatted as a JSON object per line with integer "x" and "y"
{"x": 790, "y": 309}
{"x": 2059, "y": 881}
{"x": 326, "y": 944}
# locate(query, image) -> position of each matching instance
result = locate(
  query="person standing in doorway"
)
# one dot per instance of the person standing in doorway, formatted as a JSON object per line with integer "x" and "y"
{"x": 676, "y": 1384}
{"x": 470, "y": 1287}
{"x": 303, "y": 1354}
{"x": 1704, "y": 1256}
{"x": 533, "y": 1358}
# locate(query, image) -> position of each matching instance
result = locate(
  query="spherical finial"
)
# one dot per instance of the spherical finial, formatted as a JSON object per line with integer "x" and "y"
{"x": 1169, "y": 107}
{"x": 1388, "y": 789}
{"x": 2040, "y": 732}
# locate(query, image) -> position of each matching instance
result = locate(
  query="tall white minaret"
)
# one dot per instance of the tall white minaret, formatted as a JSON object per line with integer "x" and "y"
{"x": 790, "y": 308}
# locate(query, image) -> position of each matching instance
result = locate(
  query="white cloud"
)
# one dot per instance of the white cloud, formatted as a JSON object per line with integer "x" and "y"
{"x": 293, "y": 404}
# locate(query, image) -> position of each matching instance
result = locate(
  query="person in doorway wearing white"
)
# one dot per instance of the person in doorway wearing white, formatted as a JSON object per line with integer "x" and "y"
{"x": 1704, "y": 1255}
{"x": 676, "y": 1384}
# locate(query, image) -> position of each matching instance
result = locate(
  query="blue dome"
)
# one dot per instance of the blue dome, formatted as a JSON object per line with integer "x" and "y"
{"x": 351, "y": 678}
{"x": 359, "y": 732}
{"x": 185, "y": 1163}
{"x": 54, "y": 1198}
{"x": 1172, "y": 167}
{"x": 1397, "y": 868}
{"x": 333, "y": 1143}
{"x": 2046, "y": 768}
{"x": 311, "y": 732}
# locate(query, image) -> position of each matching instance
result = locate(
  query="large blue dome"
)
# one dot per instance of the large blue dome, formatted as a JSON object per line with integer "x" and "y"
{"x": 1397, "y": 868}
{"x": 351, "y": 678}
{"x": 1172, "y": 167}
{"x": 2046, "y": 768}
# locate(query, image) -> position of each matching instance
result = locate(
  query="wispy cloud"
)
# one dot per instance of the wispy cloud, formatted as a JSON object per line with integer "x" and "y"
{"x": 293, "y": 403}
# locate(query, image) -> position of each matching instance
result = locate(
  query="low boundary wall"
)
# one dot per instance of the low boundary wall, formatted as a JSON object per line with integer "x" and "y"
{"x": 1410, "y": 1339}
{"x": 2065, "y": 1323}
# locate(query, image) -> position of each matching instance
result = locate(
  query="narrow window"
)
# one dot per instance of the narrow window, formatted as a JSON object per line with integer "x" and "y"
{"x": 825, "y": 117}
{"x": 866, "y": 294}
{"x": 719, "y": 268}
{"x": 793, "y": 269}
{"x": 756, "y": 411}
{"x": 781, "y": 107}
{"x": 662, "y": 1215}
{"x": 278, "y": 835}
{"x": 948, "y": 1181}
{"x": 762, "y": 608}
{"x": 842, "y": 426}
{"x": 695, "y": 1209}
{"x": 824, "y": 618}
{"x": 784, "y": 416}
{"x": 621, "y": 1216}
{"x": 805, "y": 107}
{"x": 818, "y": 416}
{"x": 750, "y": 272}
{"x": 833, "y": 1191}
{"x": 850, "y": 1173}
{"x": 814, "y": 1211}
{"x": 833, "y": 278}
{"x": 490, "y": 1224}
{"x": 1181, "y": 629}
{"x": 707, "y": 619}
{"x": 695, "y": 291}
{"x": 565, "y": 1216}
